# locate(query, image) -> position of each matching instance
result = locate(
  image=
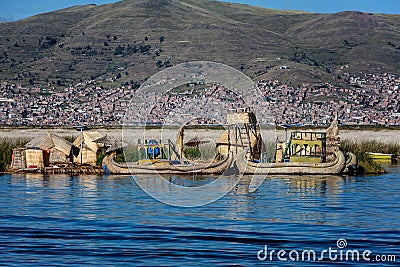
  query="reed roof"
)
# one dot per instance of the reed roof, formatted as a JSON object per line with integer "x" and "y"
{"x": 115, "y": 146}
{"x": 89, "y": 140}
{"x": 51, "y": 141}
{"x": 104, "y": 140}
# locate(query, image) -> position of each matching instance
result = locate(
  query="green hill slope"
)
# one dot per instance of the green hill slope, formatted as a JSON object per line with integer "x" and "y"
{"x": 133, "y": 39}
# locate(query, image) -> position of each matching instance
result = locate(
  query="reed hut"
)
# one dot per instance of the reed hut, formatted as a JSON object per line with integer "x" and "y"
{"x": 18, "y": 160}
{"x": 35, "y": 158}
{"x": 55, "y": 149}
{"x": 90, "y": 148}
{"x": 28, "y": 158}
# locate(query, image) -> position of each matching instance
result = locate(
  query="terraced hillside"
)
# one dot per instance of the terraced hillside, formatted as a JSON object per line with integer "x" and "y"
{"x": 132, "y": 39}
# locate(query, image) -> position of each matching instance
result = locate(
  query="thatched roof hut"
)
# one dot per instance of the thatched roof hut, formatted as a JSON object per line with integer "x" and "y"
{"x": 90, "y": 148}
{"x": 36, "y": 158}
{"x": 56, "y": 149}
{"x": 18, "y": 159}
{"x": 50, "y": 141}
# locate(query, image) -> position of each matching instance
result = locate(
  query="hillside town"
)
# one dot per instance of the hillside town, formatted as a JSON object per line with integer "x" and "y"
{"x": 368, "y": 100}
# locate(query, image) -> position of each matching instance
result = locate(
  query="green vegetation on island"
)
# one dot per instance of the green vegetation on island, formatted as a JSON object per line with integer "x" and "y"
{"x": 366, "y": 165}
{"x": 6, "y": 147}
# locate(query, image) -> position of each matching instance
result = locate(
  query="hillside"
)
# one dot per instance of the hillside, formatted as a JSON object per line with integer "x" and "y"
{"x": 133, "y": 39}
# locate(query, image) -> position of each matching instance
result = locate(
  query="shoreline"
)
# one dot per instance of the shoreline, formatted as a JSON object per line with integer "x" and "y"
{"x": 131, "y": 134}
{"x": 114, "y": 127}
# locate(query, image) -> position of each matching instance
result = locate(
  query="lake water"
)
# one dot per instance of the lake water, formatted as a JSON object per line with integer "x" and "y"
{"x": 90, "y": 220}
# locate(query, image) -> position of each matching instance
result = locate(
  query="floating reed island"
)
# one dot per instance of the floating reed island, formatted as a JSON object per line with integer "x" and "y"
{"x": 239, "y": 149}
{"x": 53, "y": 154}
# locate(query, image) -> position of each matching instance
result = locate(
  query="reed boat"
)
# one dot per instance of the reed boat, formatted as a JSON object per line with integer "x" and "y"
{"x": 233, "y": 165}
{"x": 243, "y": 152}
{"x": 167, "y": 167}
{"x": 297, "y": 168}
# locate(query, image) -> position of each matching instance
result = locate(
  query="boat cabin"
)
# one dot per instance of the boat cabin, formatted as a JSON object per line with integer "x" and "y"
{"x": 153, "y": 151}
{"x": 305, "y": 147}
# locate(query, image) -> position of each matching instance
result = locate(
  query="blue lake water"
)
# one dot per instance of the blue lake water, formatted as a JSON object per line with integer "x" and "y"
{"x": 90, "y": 220}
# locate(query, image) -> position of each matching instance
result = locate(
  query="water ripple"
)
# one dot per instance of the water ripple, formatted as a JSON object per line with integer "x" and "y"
{"x": 109, "y": 221}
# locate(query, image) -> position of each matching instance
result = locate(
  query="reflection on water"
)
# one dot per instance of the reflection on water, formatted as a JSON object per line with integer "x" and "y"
{"x": 304, "y": 184}
{"x": 93, "y": 220}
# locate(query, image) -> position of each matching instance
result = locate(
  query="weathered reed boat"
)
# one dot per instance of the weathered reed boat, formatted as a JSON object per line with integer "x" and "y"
{"x": 295, "y": 168}
{"x": 244, "y": 152}
{"x": 217, "y": 167}
{"x": 244, "y": 167}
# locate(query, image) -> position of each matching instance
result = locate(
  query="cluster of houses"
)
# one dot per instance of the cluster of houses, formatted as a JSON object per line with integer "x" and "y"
{"x": 53, "y": 151}
{"x": 84, "y": 103}
{"x": 207, "y": 102}
{"x": 369, "y": 99}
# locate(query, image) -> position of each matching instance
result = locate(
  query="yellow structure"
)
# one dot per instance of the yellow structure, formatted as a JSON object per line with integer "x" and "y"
{"x": 306, "y": 147}
{"x": 243, "y": 133}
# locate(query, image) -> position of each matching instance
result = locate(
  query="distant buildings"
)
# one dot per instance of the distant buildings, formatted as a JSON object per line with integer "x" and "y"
{"x": 369, "y": 100}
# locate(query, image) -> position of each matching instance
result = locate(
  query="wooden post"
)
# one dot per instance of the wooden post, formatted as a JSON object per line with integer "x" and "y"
{"x": 236, "y": 139}
{"x": 229, "y": 138}
{"x": 81, "y": 144}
